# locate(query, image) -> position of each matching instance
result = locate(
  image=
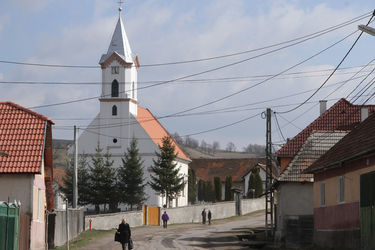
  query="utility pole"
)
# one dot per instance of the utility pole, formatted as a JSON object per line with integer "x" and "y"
{"x": 269, "y": 193}
{"x": 75, "y": 172}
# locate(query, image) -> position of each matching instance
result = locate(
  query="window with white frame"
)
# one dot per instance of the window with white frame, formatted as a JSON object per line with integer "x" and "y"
{"x": 322, "y": 193}
{"x": 341, "y": 189}
{"x": 39, "y": 212}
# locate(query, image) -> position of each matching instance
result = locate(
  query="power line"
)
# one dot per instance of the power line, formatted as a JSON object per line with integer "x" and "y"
{"x": 292, "y": 75}
{"x": 315, "y": 34}
{"x": 333, "y": 72}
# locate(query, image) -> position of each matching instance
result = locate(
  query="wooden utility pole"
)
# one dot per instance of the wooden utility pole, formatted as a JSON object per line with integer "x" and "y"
{"x": 75, "y": 172}
{"x": 269, "y": 192}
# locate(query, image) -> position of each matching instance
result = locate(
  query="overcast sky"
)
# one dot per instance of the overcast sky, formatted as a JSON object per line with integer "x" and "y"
{"x": 78, "y": 32}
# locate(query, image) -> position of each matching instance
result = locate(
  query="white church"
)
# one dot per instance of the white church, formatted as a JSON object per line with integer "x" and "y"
{"x": 121, "y": 118}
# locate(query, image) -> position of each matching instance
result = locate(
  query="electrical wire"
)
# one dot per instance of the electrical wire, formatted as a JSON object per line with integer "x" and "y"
{"x": 316, "y": 34}
{"x": 333, "y": 72}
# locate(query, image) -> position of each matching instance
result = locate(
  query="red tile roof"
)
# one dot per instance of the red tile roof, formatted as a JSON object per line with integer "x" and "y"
{"x": 359, "y": 140}
{"x": 341, "y": 116}
{"x": 156, "y": 131}
{"x": 22, "y": 138}
{"x": 207, "y": 169}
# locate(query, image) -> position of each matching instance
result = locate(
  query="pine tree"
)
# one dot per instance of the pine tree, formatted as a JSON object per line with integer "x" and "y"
{"x": 165, "y": 178}
{"x": 218, "y": 189}
{"x": 192, "y": 186}
{"x": 130, "y": 177}
{"x": 83, "y": 181}
{"x": 109, "y": 184}
{"x": 97, "y": 179}
{"x": 228, "y": 186}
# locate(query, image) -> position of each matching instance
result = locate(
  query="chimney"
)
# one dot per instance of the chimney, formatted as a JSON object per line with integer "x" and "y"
{"x": 323, "y": 106}
{"x": 364, "y": 114}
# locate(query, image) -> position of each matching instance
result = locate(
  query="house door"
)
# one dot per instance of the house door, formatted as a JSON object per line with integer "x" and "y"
{"x": 153, "y": 216}
{"x": 367, "y": 210}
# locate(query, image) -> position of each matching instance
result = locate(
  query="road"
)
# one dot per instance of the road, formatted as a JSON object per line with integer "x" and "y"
{"x": 221, "y": 234}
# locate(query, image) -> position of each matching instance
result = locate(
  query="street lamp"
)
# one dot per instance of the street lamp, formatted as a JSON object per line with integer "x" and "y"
{"x": 367, "y": 29}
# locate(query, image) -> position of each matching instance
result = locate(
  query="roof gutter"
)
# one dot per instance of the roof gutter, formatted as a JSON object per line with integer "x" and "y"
{"x": 340, "y": 162}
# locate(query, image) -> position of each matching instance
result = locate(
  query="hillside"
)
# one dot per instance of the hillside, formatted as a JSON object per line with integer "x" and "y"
{"x": 60, "y": 157}
{"x": 196, "y": 153}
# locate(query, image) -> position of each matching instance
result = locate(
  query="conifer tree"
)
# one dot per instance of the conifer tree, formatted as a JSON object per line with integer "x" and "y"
{"x": 109, "y": 184}
{"x": 251, "y": 189}
{"x": 201, "y": 191}
{"x": 258, "y": 184}
{"x": 228, "y": 186}
{"x": 83, "y": 181}
{"x": 98, "y": 196}
{"x": 218, "y": 189}
{"x": 210, "y": 194}
{"x": 165, "y": 178}
{"x": 130, "y": 177}
{"x": 192, "y": 186}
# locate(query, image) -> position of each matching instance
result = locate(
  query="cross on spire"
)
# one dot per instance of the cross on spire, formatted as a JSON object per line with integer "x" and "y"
{"x": 120, "y": 6}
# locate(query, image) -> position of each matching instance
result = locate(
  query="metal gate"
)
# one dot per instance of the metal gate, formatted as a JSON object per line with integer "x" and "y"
{"x": 9, "y": 223}
{"x": 367, "y": 210}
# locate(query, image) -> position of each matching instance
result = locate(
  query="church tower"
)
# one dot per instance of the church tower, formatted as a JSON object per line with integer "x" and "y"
{"x": 119, "y": 77}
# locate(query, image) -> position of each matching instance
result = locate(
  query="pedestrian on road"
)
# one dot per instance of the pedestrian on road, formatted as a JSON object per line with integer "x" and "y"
{"x": 204, "y": 216}
{"x": 165, "y": 219}
{"x": 209, "y": 215}
{"x": 125, "y": 233}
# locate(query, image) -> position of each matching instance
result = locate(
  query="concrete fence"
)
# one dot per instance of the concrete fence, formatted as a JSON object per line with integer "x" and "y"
{"x": 57, "y": 226}
{"x": 109, "y": 221}
{"x": 186, "y": 214}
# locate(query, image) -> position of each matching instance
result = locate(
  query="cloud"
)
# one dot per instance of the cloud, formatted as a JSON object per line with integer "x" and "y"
{"x": 35, "y": 5}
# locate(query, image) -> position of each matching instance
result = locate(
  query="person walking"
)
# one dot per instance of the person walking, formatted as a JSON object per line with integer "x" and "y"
{"x": 125, "y": 234}
{"x": 165, "y": 219}
{"x": 204, "y": 216}
{"x": 209, "y": 216}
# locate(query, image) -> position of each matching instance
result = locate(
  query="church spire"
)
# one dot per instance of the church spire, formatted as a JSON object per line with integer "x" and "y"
{"x": 119, "y": 42}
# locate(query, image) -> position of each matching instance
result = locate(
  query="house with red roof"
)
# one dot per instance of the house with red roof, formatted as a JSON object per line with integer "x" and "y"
{"x": 239, "y": 169}
{"x": 294, "y": 187}
{"x": 344, "y": 203}
{"x": 121, "y": 119}
{"x": 26, "y": 170}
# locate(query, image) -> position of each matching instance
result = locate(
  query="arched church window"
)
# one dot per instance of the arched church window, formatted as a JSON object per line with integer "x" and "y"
{"x": 114, "y": 110}
{"x": 114, "y": 92}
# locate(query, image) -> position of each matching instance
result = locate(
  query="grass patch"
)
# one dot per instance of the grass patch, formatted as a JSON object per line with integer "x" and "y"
{"x": 84, "y": 238}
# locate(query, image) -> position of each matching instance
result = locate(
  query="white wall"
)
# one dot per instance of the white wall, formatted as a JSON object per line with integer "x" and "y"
{"x": 188, "y": 214}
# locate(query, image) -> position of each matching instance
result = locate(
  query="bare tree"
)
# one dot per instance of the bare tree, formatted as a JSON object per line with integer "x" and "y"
{"x": 231, "y": 147}
{"x": 215, "y": 146}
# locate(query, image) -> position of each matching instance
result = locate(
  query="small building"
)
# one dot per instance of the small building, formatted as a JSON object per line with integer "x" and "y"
{"x": 239, "y": 169}
{"x": 344, "y": 213}
{"x": 295, "y": 188}
{"x": 26, "y": 173}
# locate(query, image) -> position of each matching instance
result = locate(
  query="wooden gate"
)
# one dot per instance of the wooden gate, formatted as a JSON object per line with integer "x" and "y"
{"x": 367, "y": 210}
{"x": 24, "y": 234}
{"x": 153, "y": 215}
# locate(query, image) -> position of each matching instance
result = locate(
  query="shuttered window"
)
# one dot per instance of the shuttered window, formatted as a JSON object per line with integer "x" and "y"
{"x": 322, "y": 193}
{"x": 341, "y": 189}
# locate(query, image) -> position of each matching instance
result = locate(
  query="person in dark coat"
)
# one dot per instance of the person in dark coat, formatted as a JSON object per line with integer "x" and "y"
{"x": 125, "y": 233}
{"x": 165, "y": 219}
{"x": 204, "y": 216}
{"x": 209, "y": 216}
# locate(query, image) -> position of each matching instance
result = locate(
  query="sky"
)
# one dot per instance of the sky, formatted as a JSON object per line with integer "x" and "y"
{"x": 233, "y": 92}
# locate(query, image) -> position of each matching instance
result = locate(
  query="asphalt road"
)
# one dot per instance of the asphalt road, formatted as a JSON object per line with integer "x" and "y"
{"x": 221, "y": 234}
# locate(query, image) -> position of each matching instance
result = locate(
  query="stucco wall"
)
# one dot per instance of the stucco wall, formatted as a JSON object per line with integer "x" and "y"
{"x": 109, "y": 221}
{"x": 17, "y": 187}
{"x": 293, "y": 198}
{"x": 186, "y": 214}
